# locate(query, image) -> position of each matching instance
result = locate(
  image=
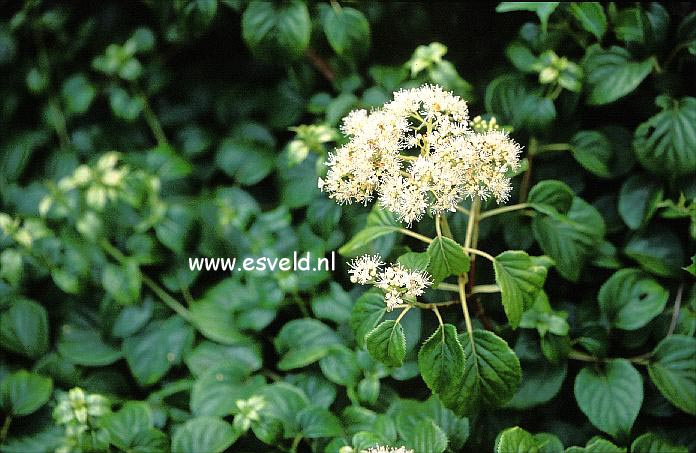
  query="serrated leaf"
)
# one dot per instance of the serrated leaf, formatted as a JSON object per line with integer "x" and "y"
{"x": 363, "y": 238}
{"x": 367, "y": 312}
{"x": 387, "y": 343}
{"x": 516, "y": 440}
{"x": 304, "y": 341}
{"x": 520, "y": 280}
{"x": 630, "y": 299}
{"x": 466, "y": 378}
{"x": 85, "y": 346}
{"x": 542, "y": 9}
{"x": 611, "y": 74}
{"x": 664, "y": 144}
{"x": 426, "y": 437}
{"x": 591, "y": 16}
{"x": 24, "y": 328}
{"x": 446, "y": 258}
{"x": 347, "y": 31}
{"x": 22, "y": 392}
{"x": 153, "y": 352}
{"x": 658, "y": 250}
{"x": 652, "y": 443}
{"x": 551, "y": 196}
{"x": 209, "y": 434}
{"x": 570, "y": 239}
{"x": 216, "y": 391}
{"x": 414, "y": 261}
{"x": 610, "y": 397}
{"x": 277, "y": 30}
{"x": 638, "y": 200}
{"x": 672, "y": 369}
{"x": 316, "y": 422}
{"x": 123, "y": 426}
{"x": 606, "y": 153}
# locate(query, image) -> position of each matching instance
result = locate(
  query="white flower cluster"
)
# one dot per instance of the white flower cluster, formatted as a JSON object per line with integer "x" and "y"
{"x": 419, "y": 154}
{"x": 398, "y": 283}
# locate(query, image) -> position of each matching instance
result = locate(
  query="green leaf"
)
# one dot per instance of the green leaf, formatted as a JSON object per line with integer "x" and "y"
{"x": 441, "y": 360}
{"x": 570, "y": 239}
{"x": 633, "y": 26}
{"x": 340, "y": 366}
{"x": 651, "y": 443}
{"x": 347, "y": 30}
{"x": 216, "y": 391}
{"x": 465, "y": 377}
{"x": 657, "y": 250}
{"x": 24, "y": 328}
{"x": 122, "y": 282}
{"x": 591, "y": 17}
{"x": 22, "y": 392}
{"x": 387, "y": 343}
{"x": 606, "y": 153}
{"x": 152, "y": 353}
{"x": 316, "y": 422}
{"x": 78, "y": 93}
{"x": 551, "y": 196}
{"x": 686, "y": 33}
{"x": 123, "y": 426}
{"x": 638, "y": 200}
{"x": 367, "y": 312}
{"x": 664, "y": 144}
{"x": 277, "y": 30}
{"x": 542, "y": 9}
{"x": 611, "y": 74}
{"x": 363, "y": 238}
{"x": 216, "y": 321}
{"x": 630, "y": 299}
{"x": 426, "y": 437}
{"x": 245, "y": 356}
{"x": 672, "y": 368}
{"x": 610, "y": 397}
{"x": 521, "y": 57}
{"x": 597, "y": 445}
{"x": 209, "y": 434}
{"x": 283, "y": 403}
{"x": 244, "y": 160}
{"x": 335, "y": 305}
{"x": 516, "y": 440}
{"x": 85, "y": 346}
{"x": 512, "y": 102}
{"x": 415, "y": 261}
{"x": 446, "y": 258}
{"x": 541, "y": 380}
{"x": 302, "y": 342}
{"x": 520, "y": 280}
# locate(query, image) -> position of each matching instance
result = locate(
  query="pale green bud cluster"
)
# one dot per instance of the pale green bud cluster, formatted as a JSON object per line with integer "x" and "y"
{"x": 80, "y": 413}
{"x": 553, "y": 69}
{"x": 249, "y": 411}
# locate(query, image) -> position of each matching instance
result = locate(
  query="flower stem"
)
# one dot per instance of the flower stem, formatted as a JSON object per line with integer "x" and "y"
{"x": 5, "y": 428}
{"x": 503, "y": 209}
{"x": 527, "y": 178}
{"x": 488, "y": 256}
{"x": 402, "y": 314}
{"x": 437, "y": 313}
{"x": 154, "y": 287}
{"x": 413, "y": 234}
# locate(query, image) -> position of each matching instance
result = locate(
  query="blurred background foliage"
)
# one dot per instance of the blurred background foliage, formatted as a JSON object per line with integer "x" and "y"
{"x": 134, "y": 135}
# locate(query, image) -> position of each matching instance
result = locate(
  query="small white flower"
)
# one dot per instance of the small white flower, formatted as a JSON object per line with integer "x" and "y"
{"x": 364, "y": 269}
